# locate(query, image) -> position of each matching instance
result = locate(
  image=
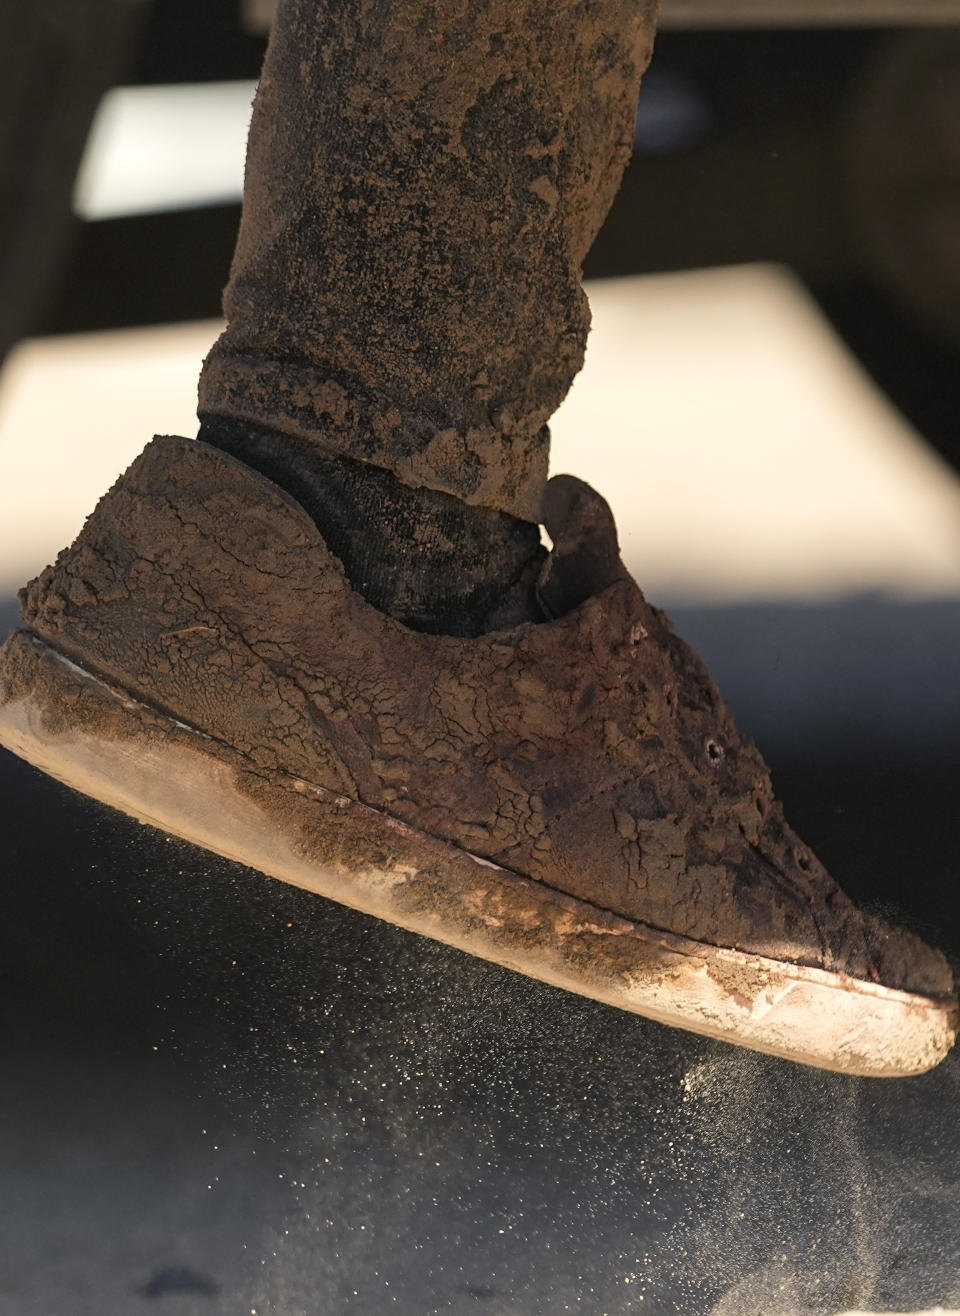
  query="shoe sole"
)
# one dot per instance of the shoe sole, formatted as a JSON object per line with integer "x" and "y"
{"x": 97, "y": 739}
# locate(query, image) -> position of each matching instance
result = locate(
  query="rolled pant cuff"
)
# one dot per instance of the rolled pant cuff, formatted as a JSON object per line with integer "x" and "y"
{"x": 482, "y": 466}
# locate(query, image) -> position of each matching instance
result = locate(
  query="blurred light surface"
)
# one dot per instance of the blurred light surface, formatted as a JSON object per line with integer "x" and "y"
{"x": 152, "y": 149}
{"x": 745, "y": 454}
{"x": 160, "y": 148}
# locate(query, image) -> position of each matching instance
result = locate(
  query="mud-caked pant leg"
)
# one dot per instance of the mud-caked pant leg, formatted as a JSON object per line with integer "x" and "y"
{"x": 424, "y": 179}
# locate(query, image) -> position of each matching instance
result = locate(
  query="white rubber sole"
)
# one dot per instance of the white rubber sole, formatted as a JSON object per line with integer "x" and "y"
{"x": 107, "y": 745}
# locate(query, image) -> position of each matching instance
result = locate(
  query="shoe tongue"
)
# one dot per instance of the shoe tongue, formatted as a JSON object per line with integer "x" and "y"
{"x": 586, "y": 555}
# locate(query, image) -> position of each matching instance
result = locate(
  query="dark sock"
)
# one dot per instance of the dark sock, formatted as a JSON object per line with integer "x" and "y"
{"x": 419, "y": 555}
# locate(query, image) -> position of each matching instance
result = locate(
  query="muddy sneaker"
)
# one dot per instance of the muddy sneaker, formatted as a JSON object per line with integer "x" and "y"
{"x": 568, "y": 798}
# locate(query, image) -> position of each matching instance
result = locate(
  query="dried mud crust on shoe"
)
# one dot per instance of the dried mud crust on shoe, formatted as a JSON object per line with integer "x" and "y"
{"x": 588, "y": 762}
{"x": 112, "y": 747}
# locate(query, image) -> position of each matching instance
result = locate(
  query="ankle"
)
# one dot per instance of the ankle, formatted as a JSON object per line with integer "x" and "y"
{"x": 418, "y": 555}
